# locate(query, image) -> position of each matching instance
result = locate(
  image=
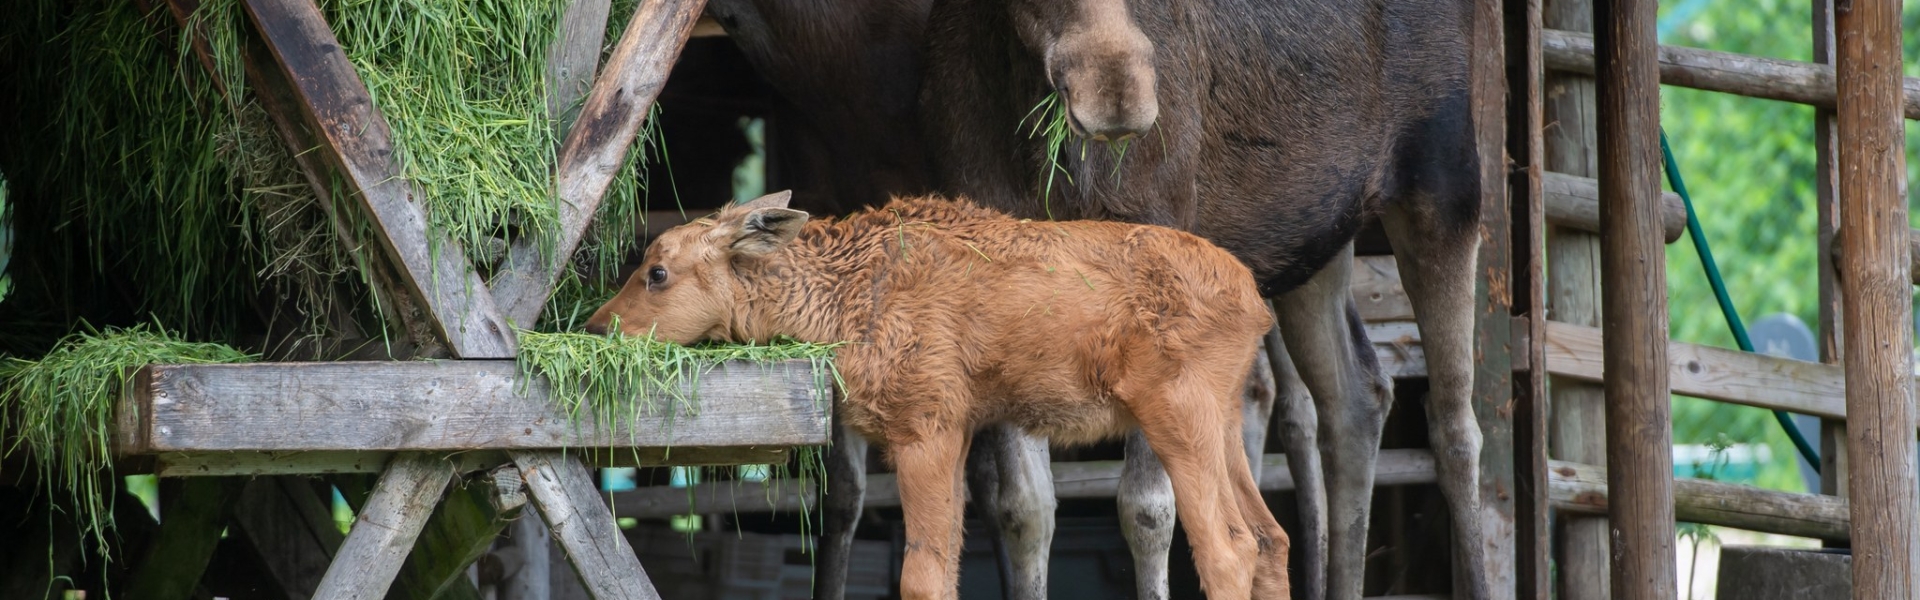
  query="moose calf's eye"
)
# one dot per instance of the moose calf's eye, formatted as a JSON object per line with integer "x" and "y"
{"x": 656, "y": 275}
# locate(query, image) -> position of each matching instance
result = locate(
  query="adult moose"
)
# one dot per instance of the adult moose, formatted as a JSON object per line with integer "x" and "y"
{"x": 1159, "y": 339}
{"x": 1273, "y": 128}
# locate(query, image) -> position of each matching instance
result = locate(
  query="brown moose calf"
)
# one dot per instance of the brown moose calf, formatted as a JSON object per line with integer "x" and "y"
{"x": 958, "y": 317}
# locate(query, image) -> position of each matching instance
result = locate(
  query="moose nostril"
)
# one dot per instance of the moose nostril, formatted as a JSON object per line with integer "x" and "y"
{"x": 596, "y": 328}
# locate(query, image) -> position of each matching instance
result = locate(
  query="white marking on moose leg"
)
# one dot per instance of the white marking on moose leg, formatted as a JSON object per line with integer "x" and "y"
{"x": 932, "y": 496}
{"x": 1015, "y": 470}
{"x": 1437, "y": 269}
{"x": 1146, "y": 503}
{"x": 845, "y": 496}
{"x": 1299, "y": 436}
{"x": 1350, "y": 395}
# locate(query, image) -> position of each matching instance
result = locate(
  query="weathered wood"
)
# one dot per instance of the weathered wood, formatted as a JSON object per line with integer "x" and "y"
{"x": 1579, "y": 488}
{"x": 1713, "y": 373}
{"x": 384, "y": 530}
{"x": 447, "y": 406}
{"x": 1573, "y": 202}
{"x": 1377, "y": 291}
{"x": 1739, "y": 74}
{"x": 1093, "y": 479}
{"x": 355, "y": 136}
{"x": 1876, "y": 299}
{"x": 461, "y": 529}
{"x": 574, "y": 57}
{"x": 1493, "y": 330}
{"x": 193, "y": 513}
{"x": 332, "y": 462}
{"x": 1834, "y": 251}
{"x": 1578, "y": 423}
{"x": 1633, "y": 300}
{"x": 1525, "y": 116}
{"x": 596, "y": 146}
{"x": 291, "y": 531}
{"x": 1833, "y": 433}
{"x": 564, "y": 491}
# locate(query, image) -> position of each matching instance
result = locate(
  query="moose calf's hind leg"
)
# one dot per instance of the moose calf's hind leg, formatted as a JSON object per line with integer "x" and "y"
{"x": 932, "y": 496}
{"x": 1437, "y": 269}
{"x": 1193, "y": 447}
{"x": 1146, "y": 504}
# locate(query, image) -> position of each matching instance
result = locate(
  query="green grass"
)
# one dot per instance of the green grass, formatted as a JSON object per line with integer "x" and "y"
{"x": 1052, "y": 128}
{"x": 62, "y": 410}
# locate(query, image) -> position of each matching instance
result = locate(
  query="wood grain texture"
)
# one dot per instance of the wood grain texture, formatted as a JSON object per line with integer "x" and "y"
{"x": 1525, "y": 118}
{"x": 354, "y": 136}
{"x": 1582, "y": 489}
{"x": 582, "y": 523}
{"x": 283, "y": 521}
{"x": 574, "y": 57}
{"x": 1633, "y": 301}
{"x": 1833, "y": 433}
{"x": 333, "y": 462}
{"x": 1876, "y": 299}
{"x": 596, "y": 146}
{"x": 1493, "y": 330}
{"x": 448, "y": 406}
{"x": 1574, "y": 202}
{"x": 384, "y": 530}
{"x": 1072, "y": 480}
{"x": 1713, "y": 373}
{"x": 1578, "y": 424}
{"x": 1726, "y": 72}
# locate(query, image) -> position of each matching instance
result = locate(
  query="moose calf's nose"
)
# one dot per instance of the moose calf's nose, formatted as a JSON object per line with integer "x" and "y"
{"x": 596, "y": 328}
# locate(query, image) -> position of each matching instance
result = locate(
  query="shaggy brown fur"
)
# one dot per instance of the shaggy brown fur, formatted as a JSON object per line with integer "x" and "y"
{"x": 960, "y": 317}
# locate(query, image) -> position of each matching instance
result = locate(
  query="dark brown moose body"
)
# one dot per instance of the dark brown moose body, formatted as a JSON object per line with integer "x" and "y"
{"x": 958, "y": 317}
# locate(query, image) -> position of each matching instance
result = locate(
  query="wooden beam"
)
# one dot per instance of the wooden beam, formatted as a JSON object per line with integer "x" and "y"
{"x": 564, "y": 491}
{"x": 1834, "y": 252}
{"x": 447, "y": 406}
{"x": 334, "y": 462}
{"x": 461, "y": 529}
{"x": 1574, "y": 202}
{"x": 1726, "y": 72}
{"x": 384, "y": 530}
{"x": 1093, "y": 479}
{"x": 573, "y": 58}
{"x": 1876, "y": 299}
{"x": 1493, "y": 327}
{"x": 1633, "y": 300}
{"x": 1582, "y": 489}
{"x": 193, "y": 514}
{"x": 1526, "y": 145}
{"x": 596, "y": 147}
{"x": 1713, "y": 373}
{"x": 355, "y": 137}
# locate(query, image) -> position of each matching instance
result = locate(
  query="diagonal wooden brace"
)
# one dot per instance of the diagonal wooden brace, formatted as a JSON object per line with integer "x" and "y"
{"x": 563, "y": 489}
{"x": 385, "y": 529}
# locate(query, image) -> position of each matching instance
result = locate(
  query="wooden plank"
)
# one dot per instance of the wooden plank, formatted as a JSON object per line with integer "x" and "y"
{"x": 1833, "y": 432}
{"x": 596, "y": 146}
{"x": 1377, "y": 291}
{"x": 448, "y": 406}
{"x": 1713, "y": 373}
{"x": 1578, "y": 423}
{"x": 573, "y": 58}
{"x": 1493, "y": 330}
{"x": 290, "y": 529}
{"x": 384, "y": 530}
{"x": 564, "y": 491}
{"x": 460, "y": 530}
{"x": 1582, "y": 489}
{"x": 355, "y": 137}
{"x": 332, "y": 462}
{"x": 1574, "y": 202}
{"x": 1072, "y": 480}
{"x": 1525, "y": 117}
{"x": 193, "y": 514}
{"x": 1726, "y": 72}
{"x": 1877, "y": 302}
{"x": 1634, "y": 300}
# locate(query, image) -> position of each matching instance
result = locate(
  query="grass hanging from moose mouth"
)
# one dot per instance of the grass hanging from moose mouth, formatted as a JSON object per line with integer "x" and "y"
{"x": 62, "y": 409}
{"x": 1053, "y": 128}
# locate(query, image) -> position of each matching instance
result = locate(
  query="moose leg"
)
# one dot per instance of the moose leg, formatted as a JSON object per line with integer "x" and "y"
{"x": 1437, "y": 269}
{"x": 1329, "y": 345}
{"x": 1011, "y": 473}
{"x": 1257, "y": 411}
{"x": 846, "y": 492}
{"x": 1146, "y": 503}
{"x": 932, "y": 496}
{"x": 1189, "y": 433}
{"x": 1298, "y": 435}
{"x": 1270, "y": 580}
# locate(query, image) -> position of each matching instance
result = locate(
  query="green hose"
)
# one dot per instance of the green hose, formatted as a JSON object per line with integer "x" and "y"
{"x": 1720, "y": 294}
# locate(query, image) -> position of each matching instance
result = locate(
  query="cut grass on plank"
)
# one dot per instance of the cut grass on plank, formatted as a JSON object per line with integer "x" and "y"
{"x": 61, "y": 407}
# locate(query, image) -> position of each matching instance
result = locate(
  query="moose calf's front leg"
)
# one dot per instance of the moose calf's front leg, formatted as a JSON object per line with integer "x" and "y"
{"x": 932, "y": 492}
{"x": 845, "y": 496}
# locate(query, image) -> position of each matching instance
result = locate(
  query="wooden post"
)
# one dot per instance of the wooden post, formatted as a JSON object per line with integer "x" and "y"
{"x": 385, "y": 529}
{"x": 1526, "y": 193}
{"x": 1493, "y": 307}
{"x": 1633, "y": 302}
{"x": 1876, "y": 298}
{"x": 1573, "y": 283}
{"x": 1833, "y": 432}
{"x": 564, "y": 491}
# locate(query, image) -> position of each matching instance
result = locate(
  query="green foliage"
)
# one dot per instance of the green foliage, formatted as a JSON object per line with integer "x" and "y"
{"x": 63, "y": 409}
{"x": 1750, "y": 166}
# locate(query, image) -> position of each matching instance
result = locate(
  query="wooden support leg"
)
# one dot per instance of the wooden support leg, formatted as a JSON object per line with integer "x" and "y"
{"x": 563, "y": 489}
{"x": 193, "y": 512}
{"x": 385, "y": 530}
{"x": 289, "y": 529}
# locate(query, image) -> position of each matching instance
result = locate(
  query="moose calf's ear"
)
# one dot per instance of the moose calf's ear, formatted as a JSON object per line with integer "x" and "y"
{"x": 774, "y": 200}
{"x": 765, "y": 230}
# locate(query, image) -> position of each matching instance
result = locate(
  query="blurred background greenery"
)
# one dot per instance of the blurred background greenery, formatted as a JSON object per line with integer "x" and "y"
{"x": 1749, "y": 165}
